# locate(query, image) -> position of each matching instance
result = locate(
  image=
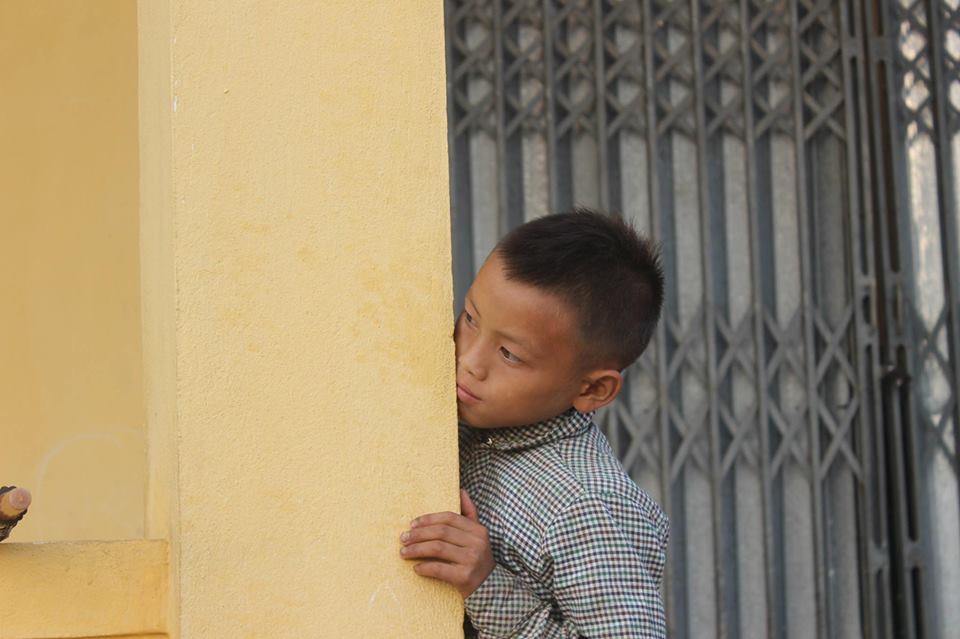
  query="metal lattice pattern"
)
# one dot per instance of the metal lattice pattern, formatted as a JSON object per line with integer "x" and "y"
{"x": 920, "y": 310}
{"x": 797, "y": 413}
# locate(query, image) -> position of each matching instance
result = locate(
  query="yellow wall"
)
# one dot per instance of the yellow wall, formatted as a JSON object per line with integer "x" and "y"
{"x": 297, "y": 287}
{"x": 71, "y": 404}
{"x": 289, "y": 281}
{"x": 82, "y": 589}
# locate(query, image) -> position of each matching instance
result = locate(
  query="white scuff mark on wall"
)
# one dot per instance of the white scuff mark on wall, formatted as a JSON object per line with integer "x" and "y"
{"x": 175, "y": 101}
{"x": 384, "y": 586}
{"x": 44, "y": 463}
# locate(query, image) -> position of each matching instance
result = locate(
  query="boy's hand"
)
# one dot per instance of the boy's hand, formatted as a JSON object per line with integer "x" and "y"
{"x": 456, "y": 547}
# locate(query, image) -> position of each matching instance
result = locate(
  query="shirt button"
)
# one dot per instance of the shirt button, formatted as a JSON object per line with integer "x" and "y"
{"x": 489, "y": 441}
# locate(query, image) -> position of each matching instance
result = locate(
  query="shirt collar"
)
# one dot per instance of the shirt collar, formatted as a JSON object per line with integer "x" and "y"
{"x": 567, "y": 424}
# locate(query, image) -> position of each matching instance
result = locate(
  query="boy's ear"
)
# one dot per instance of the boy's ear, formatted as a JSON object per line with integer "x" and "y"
{"x": 599, "y": 388}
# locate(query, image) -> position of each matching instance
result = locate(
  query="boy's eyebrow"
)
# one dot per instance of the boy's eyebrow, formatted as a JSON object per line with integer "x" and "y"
{"x": 524, "y": 343}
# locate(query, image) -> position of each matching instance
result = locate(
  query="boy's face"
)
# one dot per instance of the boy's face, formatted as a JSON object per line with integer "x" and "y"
{"x": 517, "y": 352}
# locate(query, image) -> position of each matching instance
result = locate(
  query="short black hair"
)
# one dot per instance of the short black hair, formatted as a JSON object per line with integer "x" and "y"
{"x": 610, "y": 275}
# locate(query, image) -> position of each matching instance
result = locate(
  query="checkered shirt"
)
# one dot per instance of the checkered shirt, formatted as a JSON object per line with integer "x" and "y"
{"x": 579, "y": 548}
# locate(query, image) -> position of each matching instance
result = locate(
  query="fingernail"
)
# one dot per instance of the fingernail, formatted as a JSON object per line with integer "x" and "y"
{"x": 403, "y": 550}
{"x": 404, "y": 536}
{"x": 413, "y": 524}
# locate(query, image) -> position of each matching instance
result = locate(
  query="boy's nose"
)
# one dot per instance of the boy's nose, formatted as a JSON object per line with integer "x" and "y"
{"x": 470, "y": 364}
{"x": 473, "y": 371}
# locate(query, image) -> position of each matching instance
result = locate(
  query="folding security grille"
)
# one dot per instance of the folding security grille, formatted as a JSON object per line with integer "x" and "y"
{"x": 797, "y": 414}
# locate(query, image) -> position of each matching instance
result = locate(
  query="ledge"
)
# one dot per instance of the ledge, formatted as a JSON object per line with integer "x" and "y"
{"x": 83, "y": 589}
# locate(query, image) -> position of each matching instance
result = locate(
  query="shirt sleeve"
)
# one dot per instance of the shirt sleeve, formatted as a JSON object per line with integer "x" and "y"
{"x": 606, "y": 581}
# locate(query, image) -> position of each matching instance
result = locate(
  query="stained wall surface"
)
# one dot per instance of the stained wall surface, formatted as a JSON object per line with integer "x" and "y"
{"x": 71, "y": 401}
{"x": 297, "y": 289}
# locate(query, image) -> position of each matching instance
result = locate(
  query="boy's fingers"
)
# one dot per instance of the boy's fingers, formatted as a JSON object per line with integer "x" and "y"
{"x": 438, "y": 531}
{"x": 448, "y": 518}
{"x": 466, "y": 506}
{"x": 438, "y": 570}
{"x": 433, "y": 550}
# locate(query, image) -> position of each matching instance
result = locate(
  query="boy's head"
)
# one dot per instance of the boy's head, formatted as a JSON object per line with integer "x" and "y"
{"x": 562, "y": 305}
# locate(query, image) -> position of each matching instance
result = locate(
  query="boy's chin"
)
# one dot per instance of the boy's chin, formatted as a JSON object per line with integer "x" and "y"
{"x": 471, "y": 419}
{"x": 489, "y": 422}
{"x": 465, "y": 418}
{"x": 471, "y": 415}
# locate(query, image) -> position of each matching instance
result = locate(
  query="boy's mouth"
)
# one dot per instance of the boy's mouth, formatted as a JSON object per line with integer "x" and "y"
{"x": 464, "y": 395}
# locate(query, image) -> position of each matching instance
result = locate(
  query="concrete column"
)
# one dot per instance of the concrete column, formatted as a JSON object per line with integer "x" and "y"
{"x": 296, "y": 291}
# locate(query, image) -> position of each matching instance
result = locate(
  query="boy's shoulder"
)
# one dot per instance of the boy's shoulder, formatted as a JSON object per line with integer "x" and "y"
{"x": 584, "y": 469}
{"x": 534, "y": 486}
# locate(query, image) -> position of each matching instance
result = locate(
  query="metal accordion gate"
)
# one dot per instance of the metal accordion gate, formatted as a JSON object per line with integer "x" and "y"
{"x": 797, "y": 413}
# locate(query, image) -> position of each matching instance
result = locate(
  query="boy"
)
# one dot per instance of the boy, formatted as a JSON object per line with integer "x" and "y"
{"x": 561, "y": 542}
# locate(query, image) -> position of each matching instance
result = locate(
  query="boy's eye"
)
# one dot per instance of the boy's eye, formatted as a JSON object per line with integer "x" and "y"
{"x": 467, "y": 316}
{"x": 507, "y": 355}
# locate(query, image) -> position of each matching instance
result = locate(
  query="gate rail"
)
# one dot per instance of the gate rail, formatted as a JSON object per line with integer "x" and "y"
{"x": 797, "y": 413}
